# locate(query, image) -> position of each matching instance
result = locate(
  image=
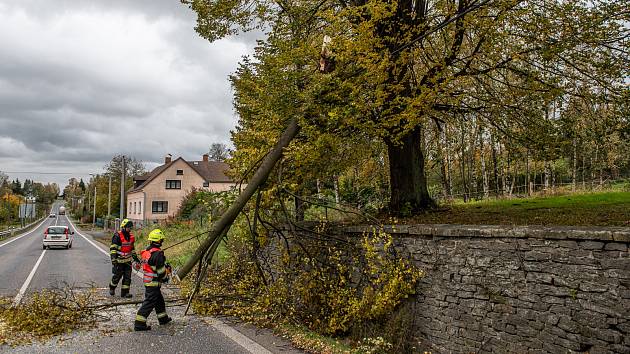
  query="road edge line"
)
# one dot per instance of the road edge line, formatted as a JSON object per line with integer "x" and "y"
{"x": 244, "y": 341}
{"x": 26, "y": 234}
{"x": 27, "y": 282}
{"x": 84, "y": 237}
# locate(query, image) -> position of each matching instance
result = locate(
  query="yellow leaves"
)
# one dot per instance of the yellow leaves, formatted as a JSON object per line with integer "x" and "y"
{"x": 44, "y": 314}
{"x": 330, "y": 289}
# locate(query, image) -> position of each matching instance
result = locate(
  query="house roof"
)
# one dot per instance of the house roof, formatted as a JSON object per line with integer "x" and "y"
{"x": 210, "y": 171}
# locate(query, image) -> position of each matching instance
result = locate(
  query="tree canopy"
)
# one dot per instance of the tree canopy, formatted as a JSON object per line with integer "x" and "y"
{"x": 394, "y": 69}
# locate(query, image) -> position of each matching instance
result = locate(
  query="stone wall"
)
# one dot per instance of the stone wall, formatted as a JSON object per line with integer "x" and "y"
{"x": 519, "y": 289}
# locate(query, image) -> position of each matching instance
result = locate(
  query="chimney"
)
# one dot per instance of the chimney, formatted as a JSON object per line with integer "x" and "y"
{"x": 167, "y": 158}
{"x": 205, "y": 157}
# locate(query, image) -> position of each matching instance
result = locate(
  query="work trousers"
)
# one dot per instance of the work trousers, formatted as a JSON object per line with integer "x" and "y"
{"x": 121, "y": 270}
{"x": 153, "y": 299}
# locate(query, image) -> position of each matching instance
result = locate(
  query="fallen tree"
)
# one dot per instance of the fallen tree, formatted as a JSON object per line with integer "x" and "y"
{"x": 222, "y": 225}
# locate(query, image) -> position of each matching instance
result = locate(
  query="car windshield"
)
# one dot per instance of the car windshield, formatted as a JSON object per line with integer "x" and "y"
{"x": 55, "y": 230}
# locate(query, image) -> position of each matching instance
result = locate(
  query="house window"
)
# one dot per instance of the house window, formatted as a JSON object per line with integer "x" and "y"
{"x": 159, "y": 207}
{"x": 139, "y": 207}
{"x": 180, "y": 172}
{"x": 206, "y": 184}
{"x": 134, "y": 208}
{"x": 129, "y": 210}
{"x": 173, "y": 184}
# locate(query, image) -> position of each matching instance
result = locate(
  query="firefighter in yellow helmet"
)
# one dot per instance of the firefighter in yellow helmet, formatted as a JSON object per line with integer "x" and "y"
{"x": 156, "y": 272}
{"x": 122, "y": 252}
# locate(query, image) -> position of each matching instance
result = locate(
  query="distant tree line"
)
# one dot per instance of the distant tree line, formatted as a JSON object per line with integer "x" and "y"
{"x": 13, "y": 193}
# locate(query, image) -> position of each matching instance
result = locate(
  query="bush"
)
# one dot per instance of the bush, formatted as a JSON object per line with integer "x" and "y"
{"x": 336, "y": 288}
{"x": 201, "y": 204}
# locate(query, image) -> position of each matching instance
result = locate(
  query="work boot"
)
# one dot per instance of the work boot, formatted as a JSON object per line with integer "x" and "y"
{"x": 126, "y": 295}
{"x": 141, "y": 326}
{"x": 112, "y": 291}
{"x": 165, "y": 320}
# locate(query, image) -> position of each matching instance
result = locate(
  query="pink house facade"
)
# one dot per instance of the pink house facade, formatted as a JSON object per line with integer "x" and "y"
{"x": 157, "y": 195}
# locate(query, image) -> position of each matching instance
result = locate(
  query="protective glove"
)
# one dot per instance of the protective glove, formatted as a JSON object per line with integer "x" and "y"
{"x": 135, "y": 257}
{"x": 114, "y": 262}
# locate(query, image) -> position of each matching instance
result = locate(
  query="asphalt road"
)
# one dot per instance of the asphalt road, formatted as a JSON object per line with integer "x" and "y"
{"x": 26, "y": 268}
{"x": 84, "y": 265}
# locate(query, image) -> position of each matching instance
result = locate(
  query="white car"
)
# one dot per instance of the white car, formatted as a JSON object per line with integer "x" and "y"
{"x": 52, "y": 215}
{"x": 58, "y": 236}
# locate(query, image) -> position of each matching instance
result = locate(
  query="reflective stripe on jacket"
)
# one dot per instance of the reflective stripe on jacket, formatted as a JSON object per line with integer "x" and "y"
{"x": 126, "y": 247}
{"x": 150, "y": 272}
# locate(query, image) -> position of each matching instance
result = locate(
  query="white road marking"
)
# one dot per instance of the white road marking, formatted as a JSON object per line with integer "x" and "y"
{"x": 20, "y": 294}
{"x": 26, "y": 234}
{"x": 87, "y": 239}
{"x": 239, "y": 338}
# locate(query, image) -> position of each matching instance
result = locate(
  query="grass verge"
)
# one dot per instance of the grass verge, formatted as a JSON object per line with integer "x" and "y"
{"x": 586, "y": 209}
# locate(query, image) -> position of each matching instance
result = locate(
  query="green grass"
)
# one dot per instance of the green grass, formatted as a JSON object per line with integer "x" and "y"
{"x": 610, "y": 208}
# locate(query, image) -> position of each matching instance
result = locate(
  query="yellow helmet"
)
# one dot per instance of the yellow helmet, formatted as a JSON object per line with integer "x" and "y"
{"x": 156, "y": 235}
{"x": 126, "y": 223}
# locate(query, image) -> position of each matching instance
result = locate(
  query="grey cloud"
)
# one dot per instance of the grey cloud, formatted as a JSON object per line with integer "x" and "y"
{"x": 82, "y": 81}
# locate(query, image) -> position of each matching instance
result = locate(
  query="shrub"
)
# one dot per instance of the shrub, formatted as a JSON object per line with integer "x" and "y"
{"x": 333, "y": 287}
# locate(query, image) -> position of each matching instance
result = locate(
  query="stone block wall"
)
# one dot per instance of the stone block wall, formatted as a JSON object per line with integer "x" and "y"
{"x": 519, "y": 289}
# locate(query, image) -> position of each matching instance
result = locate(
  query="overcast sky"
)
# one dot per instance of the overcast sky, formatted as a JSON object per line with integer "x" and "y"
{"x": 82, "y": 81}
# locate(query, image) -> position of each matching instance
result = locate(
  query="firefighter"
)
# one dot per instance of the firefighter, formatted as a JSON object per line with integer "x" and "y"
{"x": 122, "y": 252}
{"x": 156, "y": 272}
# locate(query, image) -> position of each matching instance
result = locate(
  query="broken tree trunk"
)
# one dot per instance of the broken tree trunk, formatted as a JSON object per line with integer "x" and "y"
{"x": 226, "y": 220}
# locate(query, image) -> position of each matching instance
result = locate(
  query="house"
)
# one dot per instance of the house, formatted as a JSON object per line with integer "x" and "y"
{"x": 158, "y": 194}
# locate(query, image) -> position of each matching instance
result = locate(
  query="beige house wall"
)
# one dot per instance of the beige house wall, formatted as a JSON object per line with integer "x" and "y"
{"x": 135, "y": 207}
{"x": 156, "y": 191}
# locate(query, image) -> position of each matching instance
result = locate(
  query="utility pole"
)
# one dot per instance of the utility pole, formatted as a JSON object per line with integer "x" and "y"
{"x": 94, "y": 215}
{"x": 122, "y": 189}
{"x": 89, "y": 202}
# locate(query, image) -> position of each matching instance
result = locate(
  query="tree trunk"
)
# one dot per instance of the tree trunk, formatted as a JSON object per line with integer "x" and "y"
{"x": 484, "y": 172}
{"x": 592, "y": 171}
{"x": 583, "y": 170}
{"x": 546, "y": 178}
{"x": 443, "y": 164}
{"x": 472, "y": 168}
{"x": 529, "y": 191}
{"x": 510, "y": 174}
{"x": 409, "y": 192}
{"x": 449, "y": 169}
{"x": 495, "y": 165}
{"x": 574, "y": 176}
{"x": 462, "y": 163}
{"x": 502, "y": 171}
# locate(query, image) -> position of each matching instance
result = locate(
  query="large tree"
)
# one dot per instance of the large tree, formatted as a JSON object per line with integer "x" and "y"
{"x": 401, "y": 65}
